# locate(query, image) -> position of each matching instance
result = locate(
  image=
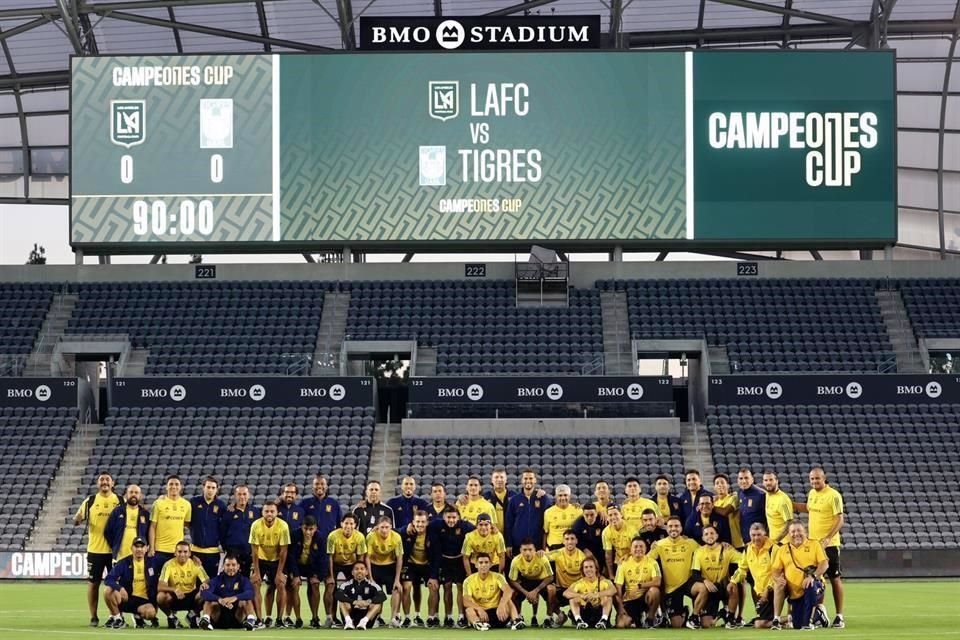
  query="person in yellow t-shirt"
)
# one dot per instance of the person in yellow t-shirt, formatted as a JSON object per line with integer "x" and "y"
{"x": 488, "y": 599}
{"x": 756, "y": 561}
{"x": 269, "y": 542}
{"x": 559, "y": 518}
{"x": 825, "y": 508}
{"x": 473, "y": 504}
{"x": 530, "y": 577}
{"x": 345, "y": 547}
{"x": 385, "y": 562}
{"x": 779, "y": 506}
{"x": 616, "y": 538}
{"x": 638, "y": 586}
{"x": 95, "y": 511}
{"x": 128, "y": 521}
{"x": 181, "y": 581}
{"x": 484, "y": 539}
{"x": 675, "y": 553}
{"x": 499, "y": 496}
{"x": 567, "y": 562}
{"x": 728, "y": 502}
{"x": 601, "y": 499}
{"x": 712, "y": 584}
{"x": 635, "y": 504}
{"x": 169, "y": 520}
{"x": 591, "y": 597}
{"x": 798, "y": 568}
{"x": 416, "y": 567}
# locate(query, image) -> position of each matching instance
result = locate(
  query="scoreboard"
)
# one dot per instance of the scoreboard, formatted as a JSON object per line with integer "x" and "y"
{"x": 278, "y": 152}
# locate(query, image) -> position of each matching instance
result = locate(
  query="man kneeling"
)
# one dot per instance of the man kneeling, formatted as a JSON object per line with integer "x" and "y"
{"x": 360, "y": 600}
{"x": 228, "y": 601}
{"x": 488, "y": 599}
{"x": 591, "y": 597}
{"x": 131, "y": 588}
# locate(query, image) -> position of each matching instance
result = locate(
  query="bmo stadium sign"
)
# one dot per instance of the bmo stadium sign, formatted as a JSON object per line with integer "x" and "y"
{"x": 243, "y": 392}
{"x": 541, "y": 390}
{"x": 43, "y": 565}
{"x": 479, "y": 33}
{"x": 38, "y": 392}
{"x": 835, "y": 389}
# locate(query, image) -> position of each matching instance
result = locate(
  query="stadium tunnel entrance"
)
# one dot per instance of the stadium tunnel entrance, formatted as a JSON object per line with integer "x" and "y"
{"x": 687, "y": 366}
{"x": 390, "y": 363}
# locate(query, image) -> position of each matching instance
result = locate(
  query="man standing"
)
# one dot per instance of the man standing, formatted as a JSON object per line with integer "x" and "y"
{"x": 559, "y": 518}
{"x": 474, "y": 504}
{"x": 181, "y": 581}
{"x": 327, "y": 513}
{"x": 369, "y": 511}
{"x": 499, "y": 496}
{"x": 675, "y": 554}
{"x": 530, "y": 577}
{"x": 169, "y": 520}
{"x": 345, "y": 547}
{"x": 752, "y": 503}
{"x": 445, "y": 539}
{"x": 726, "y": 500}
{"x": 360, "y": 600}
{"x": 385, "y": 563}
{"x": 407, "y": 504}
{"x": 651, "y": 532}
{"x": 438, "y": 502}
{"x": 206, "y": 511}
{"x": 235, "y": 528}
{"x": 635, "y": 504}
{"x": 638, "y": 585}
{"x": 779, "y": 507}
{"x": 798, "y": 568}
{"x": 306, "y": 564}
{"x": 712, "y": 586}
{"x": 228, "y": 602}
{"x": 416, "y": 568}
{"x": 288, "y": 510}
{"x": 690, "y": 497}
{"x": 756, "y": 562}
{"x": 704, "y": 517}
{"x": 589, "y": 532}
{"x": 269, "y": 542}
{"x": 95, "y": 512}
{"x": 616, "y": 537}
{"x": 131, "y": 587}
{"x": 488, "y": 599}
{"x": 601, "y": 499}
{"x": 667, "y": 501}
{"x": 524, "y": 516}
{"x": 484, "y": 540}
{"x": 825, "y": 508}
{"x": 126, "y": 523}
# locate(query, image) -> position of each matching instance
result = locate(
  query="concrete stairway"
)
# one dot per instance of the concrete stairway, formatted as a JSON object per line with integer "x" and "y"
{"x": 617, "y": 355}
{"x": 58, "y": 316}
{"x": 902, "y": 337}
{"x": 385, "y": 456}
{"x": 719, "y": 361}
{"x": 136, "y": 363}
{"x": 426, "y": 361}
{"x": 333, "y": 324}
{"x": 55, "y": 510}
{"x": 696, "y": 450}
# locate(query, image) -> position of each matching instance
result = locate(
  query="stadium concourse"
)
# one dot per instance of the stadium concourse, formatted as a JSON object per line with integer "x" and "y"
{"x": 217, "y": 396}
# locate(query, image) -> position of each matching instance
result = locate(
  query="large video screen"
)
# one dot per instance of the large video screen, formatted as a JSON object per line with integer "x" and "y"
{"x": 589, "y": 148}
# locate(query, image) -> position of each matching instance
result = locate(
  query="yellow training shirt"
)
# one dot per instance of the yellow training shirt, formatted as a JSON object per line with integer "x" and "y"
{"x": 568, "y": 565}
{"x": 779, "y": 512}
{"x": 418, "y": 555}
{"x": 618, "y": 541}
{"x": 822, "y": 507}
{"x": 676, "y": 560}
{"x": 631, "y": 573}
{"x": 493, "y": 544}
{"x": 344, "y": 550}
{"x": 130, "y": 532}
{"x": 500, "y": 519}
{"x": 590, "y": 589}
{"x": 96, "y": 520}
{"x": 485, "y": 592}
{"x": 537, "y": 569}
{"x": 384, "y": 551}
{"x": 733, "y": 518}
{"x": 269, "y": 539}
{"x": 474, "y": 508}
{"x": 758, "y": 562}
{"x": 557, "y": 520}
{"x": 633, "y": 511}
{"x": 793, "y": 560}
{"x": 183, "y": 576}
{"x": 714, "y": 563}
{"x": 140, "y": 579}
{"x": 171, "y": 517}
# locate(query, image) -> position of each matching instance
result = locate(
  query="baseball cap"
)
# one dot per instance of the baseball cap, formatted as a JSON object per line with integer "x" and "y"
{"x": 483, "y": 517}
{"x": 139, "y": 542}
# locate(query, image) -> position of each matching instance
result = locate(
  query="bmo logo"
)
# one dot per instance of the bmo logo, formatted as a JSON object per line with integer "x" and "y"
{"x": 257, "y": 393}
{"x": 933, "y": 389}
{"x": 337, "y": 392}
{"x": 178, "y": 393}
{"x": 42, "y": 393}
{"x": 854, "y": 390}
{"x": 554, "y": 391}
{"x": 635, "y": 391}
{"x": 474, "y": 392}
{"x": 774, "y": 391}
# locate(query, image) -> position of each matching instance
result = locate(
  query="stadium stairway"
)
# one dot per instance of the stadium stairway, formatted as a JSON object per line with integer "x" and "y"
{"x": 426, "y": 364}
{"x": 385, "y": 456}
{"x": 55, "y": 510}
{"x": 903, "y": 338}
{"x": 330, "y": 333}
{"x": 58, "y": 316}
{"x": 616, "y": 333}
{"x": 696, "y": 452}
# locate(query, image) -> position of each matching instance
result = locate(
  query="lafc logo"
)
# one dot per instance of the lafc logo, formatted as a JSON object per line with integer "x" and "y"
{"x": 127, "y": 122}
{"x": 444, "y": 99}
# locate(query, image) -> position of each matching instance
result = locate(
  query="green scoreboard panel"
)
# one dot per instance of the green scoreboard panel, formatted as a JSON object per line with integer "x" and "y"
{"x": 486, "y": 149}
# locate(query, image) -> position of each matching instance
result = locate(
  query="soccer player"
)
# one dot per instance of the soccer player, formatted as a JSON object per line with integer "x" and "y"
{"x": 406, "y": 504}
{"x": 235, "y": 528}
{"x": 345, "y": 547}
{"x": 169, "y": 521}
{"x": 591, "y": 597}
{"x": 288, "y": 509}
{"x": 385, "y": 563}
{"x": 559, "y": 518}
{"x": 475, "y": 504}
{"x": 779, "y": 507}
{"x": 602, "y": 500}
{"x": 228, "y": 602}
{"x": 675, "y": 554}
{"x": 524, "y": 516}
{"x": 712, "y": 586}
{"x": 127, "y": 522}
{"x": 690, "y": 497}
{"x": 667, "y": 501}
{"x": 651, "y": 532}
{"x": 752, "y": 503}
{"x": 269, "y": 542}
{"x": 725, "y": 499}
{"x": 95, "y": 512}
{"x": 499, "y": 496}
{"x": 530, "y": 577}
{"x": 206, "y": 511}
{"x": 484, "y": 540}
{"x": 488, "y": 599}
{"x": 328, "y": 514}
{"x": 638, "y": 583}
{"x": 181, "y": 581}
{"x": 369, "y": 511}
{"x": 416, "y": 568}
{"x": 360, "y": 600}
{"x": 825, "y": 508}
{"x": 567, "y": 562}
{"x": 445, "y": 546}
{"x": 704, "y": 517}
{"x": 306, "y": 563}
{"x": 799, "y": 567}
{"x": 131, "y": 588}
{"x": 756, "y": 562}
{"x": 438, "y": 502}
{"x": 616, "y": 538}
{"x": 635, "y": 504}
{"x": 589, "y": 530}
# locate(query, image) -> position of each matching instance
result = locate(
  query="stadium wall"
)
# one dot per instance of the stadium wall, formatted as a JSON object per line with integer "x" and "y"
{"x": 547, "y": 427}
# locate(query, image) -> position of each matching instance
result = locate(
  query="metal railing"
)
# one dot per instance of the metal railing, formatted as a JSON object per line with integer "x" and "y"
{"x": 12, "y": 365}
{"x": 593, "y": 364}
{"x": 298, "y": 364}
{"x": 888, "y": 364}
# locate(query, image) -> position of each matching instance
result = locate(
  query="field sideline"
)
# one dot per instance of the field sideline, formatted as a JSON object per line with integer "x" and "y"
{"x": 875, "y": 609}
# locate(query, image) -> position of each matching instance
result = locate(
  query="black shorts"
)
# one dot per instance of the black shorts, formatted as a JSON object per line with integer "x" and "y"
{"x": 635, "y": 609}
{"x": 305, "y": 572}
{"x": 673, "y": 602}
{"x": 268, "y": 572}
{"x": 452, "y": 571}
{"x": 714, "y": 600}
{"x": 418, "y": 574}
{"x": 562, "y": 600}
{"x": 765, "y": 610}
{"x": 530, "y": 585}
{"x": 592, "y": 615}
{"x": 833, "y": 558}
{"x": 133, "y": 604}
{"x": 97, "y": 565}
{"x": 227, "y": 618}
{"x": 342, "y": 573}
{"x": 210, "y": 562}
{"x": 186, "y": 603}
{"x": 383, "y": 575}
{"x": 494, "y": 621}
{"x": 357, "y": 615}
{"x": 244, "y": 559}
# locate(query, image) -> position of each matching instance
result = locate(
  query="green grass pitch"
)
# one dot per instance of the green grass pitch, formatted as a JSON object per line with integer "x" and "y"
{"x": 875, "y": 610}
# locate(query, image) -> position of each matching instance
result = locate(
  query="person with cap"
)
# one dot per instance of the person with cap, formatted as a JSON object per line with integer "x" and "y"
{"x": 131, "y": 587}
{"x": 484, "y": 539}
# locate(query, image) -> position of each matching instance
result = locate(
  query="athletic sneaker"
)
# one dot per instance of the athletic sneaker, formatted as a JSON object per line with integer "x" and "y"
{"x": 109, "y": 623}
{"x": 581, "y": 625}
{"x": 348, "y": 624}
{"x": 407, "y": 623}
{"x": 267, "y": 622}
{"x": 448, "y": 622}
{"x": 95, "y": 622}
{"x": 481, "y": 626}
{"x": 174, "y": 623}
{"x": 693, "y": 622}
{"x": 155, "y": 623}
{"x": 138, "y": 622}
{"x": 808, "y": 627}
{"x": 433, "y": 623}
{"x": 397, "y": 622}
{"x": 462, "y": 623}
{"x": 838, "y": 623}
{"x": 362, "y": 625}
{"x": 192, "y": 620}
{"x": 206, "y": 624}
{"x": 418, "y": 621}
{"x": 287, "y": 623}
{"x": 548, "y": 622}
{"x": 819, "y": 617}
{"x": 326, "y": 624}
{"x": 776, "y": 625}
{"x": 601, "y": 625}
{"x": 119, "y": 623}
{"x": 298, "y": 624}
{"x": 249, "y": 625}
{"x": 517, "y": 624}
{"x": 315, "y": 623}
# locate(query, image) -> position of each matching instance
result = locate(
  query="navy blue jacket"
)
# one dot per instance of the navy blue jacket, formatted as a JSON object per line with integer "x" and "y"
{"x": 404, "y": 508}
{"x": 673, "y": 500}
{"x": 444, "y": 541}
{"x": 589, "y": 537}
{"x": 693, "y": 528}
{"x": 235, "y": 528}
{"x": 117, "y": 525}
{"x": 292, "y": 515}
{"x": 223, "y": 586}
{"x": 318, "y": 552}
{"x": 688, "y": 503}
{"x": 753, "y": 508}
{"x": 524, "y": 519}
{"x": 327, "y": 513}
{"x": 121, "y": 576}
{"x": 205, "y": 521}
{"x": 409, "y": 539}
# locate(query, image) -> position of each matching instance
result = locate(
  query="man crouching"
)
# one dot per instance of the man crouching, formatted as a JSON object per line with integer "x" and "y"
{"x": 228, "y": 601}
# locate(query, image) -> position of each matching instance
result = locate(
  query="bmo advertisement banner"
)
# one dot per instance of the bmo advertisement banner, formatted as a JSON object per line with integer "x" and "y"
{"x": 835, "y": 389}
{"x": 541, "y": 390}
{"x": 38, "y": 392}
{"x": 243, "y": 392}
{"x": 42, "y": 565}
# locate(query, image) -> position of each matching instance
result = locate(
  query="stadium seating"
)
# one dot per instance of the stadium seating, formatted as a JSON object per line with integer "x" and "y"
{"x": 477, "y": 328}
{"x": 897, "y": 466}
{"x": 578, "y": 462}
{"x": 140, "y": 445}
{"x": 23, "y": 308}
{"x": 797, "y": 325}
{"x": 32, "y": 442}
{"x": 931, "y": 306}
{"x": 208, "y": 328}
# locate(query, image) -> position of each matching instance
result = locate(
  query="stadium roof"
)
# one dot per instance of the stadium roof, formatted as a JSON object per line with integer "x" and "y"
{"x": 37, "y": 37}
